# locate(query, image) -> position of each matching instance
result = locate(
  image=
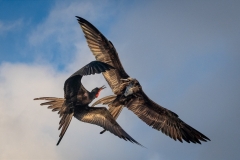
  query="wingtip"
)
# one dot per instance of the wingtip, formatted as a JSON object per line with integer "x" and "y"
{"x": 206, "y": 138}
{"x": 39, "y": 98}
{"x": 102, "y": 131}
{"x": 142, "y": 146}
{"x": 139, "y": 144}
{"x": 79, "y": 18}
{"x": 60, "y": 139}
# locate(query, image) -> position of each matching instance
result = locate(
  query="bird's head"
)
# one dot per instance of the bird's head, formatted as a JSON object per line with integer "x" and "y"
{"x": 96, "y": 91}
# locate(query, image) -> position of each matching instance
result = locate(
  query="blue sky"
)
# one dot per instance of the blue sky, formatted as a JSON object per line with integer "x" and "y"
{"x": 185, "y": 55}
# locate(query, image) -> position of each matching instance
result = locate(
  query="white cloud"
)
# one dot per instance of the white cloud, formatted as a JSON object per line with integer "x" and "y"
{"x": 22, "y": 120}
{"x": 58, "y": 37}
{"x": 61, "y": 22}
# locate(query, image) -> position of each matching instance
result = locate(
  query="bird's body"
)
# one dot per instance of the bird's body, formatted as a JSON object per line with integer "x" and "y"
{"x": 76, "y": 103}
{"x": 128, "y": 91}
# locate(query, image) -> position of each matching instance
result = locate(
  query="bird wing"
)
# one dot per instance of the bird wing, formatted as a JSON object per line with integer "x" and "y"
{"x": 163, "y": 119}
{"x": 73, "y": 84}
{"x": 65, "y": 113}
{"x": 105, "y": 100}
{"x": 114, "y": 110}
{"x": 92, "y": 68}
{"x": 100, "y": 116}
{"x": 104, "y": 51}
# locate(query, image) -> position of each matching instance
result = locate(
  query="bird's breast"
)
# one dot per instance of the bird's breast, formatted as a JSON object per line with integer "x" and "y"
{"x": 83, "y": 99}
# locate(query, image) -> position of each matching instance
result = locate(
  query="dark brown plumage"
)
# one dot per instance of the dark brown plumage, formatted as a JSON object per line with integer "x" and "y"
{"x": 76, "y": 103}
{"x": 128, "y": 91}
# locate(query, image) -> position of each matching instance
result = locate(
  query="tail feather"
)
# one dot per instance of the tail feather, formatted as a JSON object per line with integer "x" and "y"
{"x": 64, "y": 125}
{"x": 53, "y": 103}
{"x": 58, "y": 104}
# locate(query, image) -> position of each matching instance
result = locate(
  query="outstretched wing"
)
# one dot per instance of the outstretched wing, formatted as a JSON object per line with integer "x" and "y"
{"x": 100, "y": 116}
{"x": 92, "y": 68}
{"x": 73, "y": 84}
{"x": 114, "y": 110}
{"x": 104, "y": 51}
{"x": 165, "y": 120}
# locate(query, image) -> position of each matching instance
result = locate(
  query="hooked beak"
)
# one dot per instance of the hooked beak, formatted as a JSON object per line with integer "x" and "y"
{"x": 103, "y": 87}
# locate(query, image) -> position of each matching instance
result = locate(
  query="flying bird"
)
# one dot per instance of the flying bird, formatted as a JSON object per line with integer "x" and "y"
{"x": 76, "y": 103}
{"x": 129, "y": 93}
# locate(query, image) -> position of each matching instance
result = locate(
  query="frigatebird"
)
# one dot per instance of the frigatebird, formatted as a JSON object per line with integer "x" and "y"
{"x": 76, "y": 103}
{"x": 129, "y": 93}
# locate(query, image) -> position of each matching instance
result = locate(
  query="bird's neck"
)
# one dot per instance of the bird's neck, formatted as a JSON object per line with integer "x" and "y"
{"x": 92, "y": 96}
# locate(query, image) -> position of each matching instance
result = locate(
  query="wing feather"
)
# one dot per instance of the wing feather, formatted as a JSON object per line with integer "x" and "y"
{"x": 165, "y": 120}
{"x": 104, "y": 51}
{"x": 101, "y": 117}
{"x": 73, "y": 84}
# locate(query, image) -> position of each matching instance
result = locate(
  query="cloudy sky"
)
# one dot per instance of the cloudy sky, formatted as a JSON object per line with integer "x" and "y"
{"x": 185, "y": 54}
